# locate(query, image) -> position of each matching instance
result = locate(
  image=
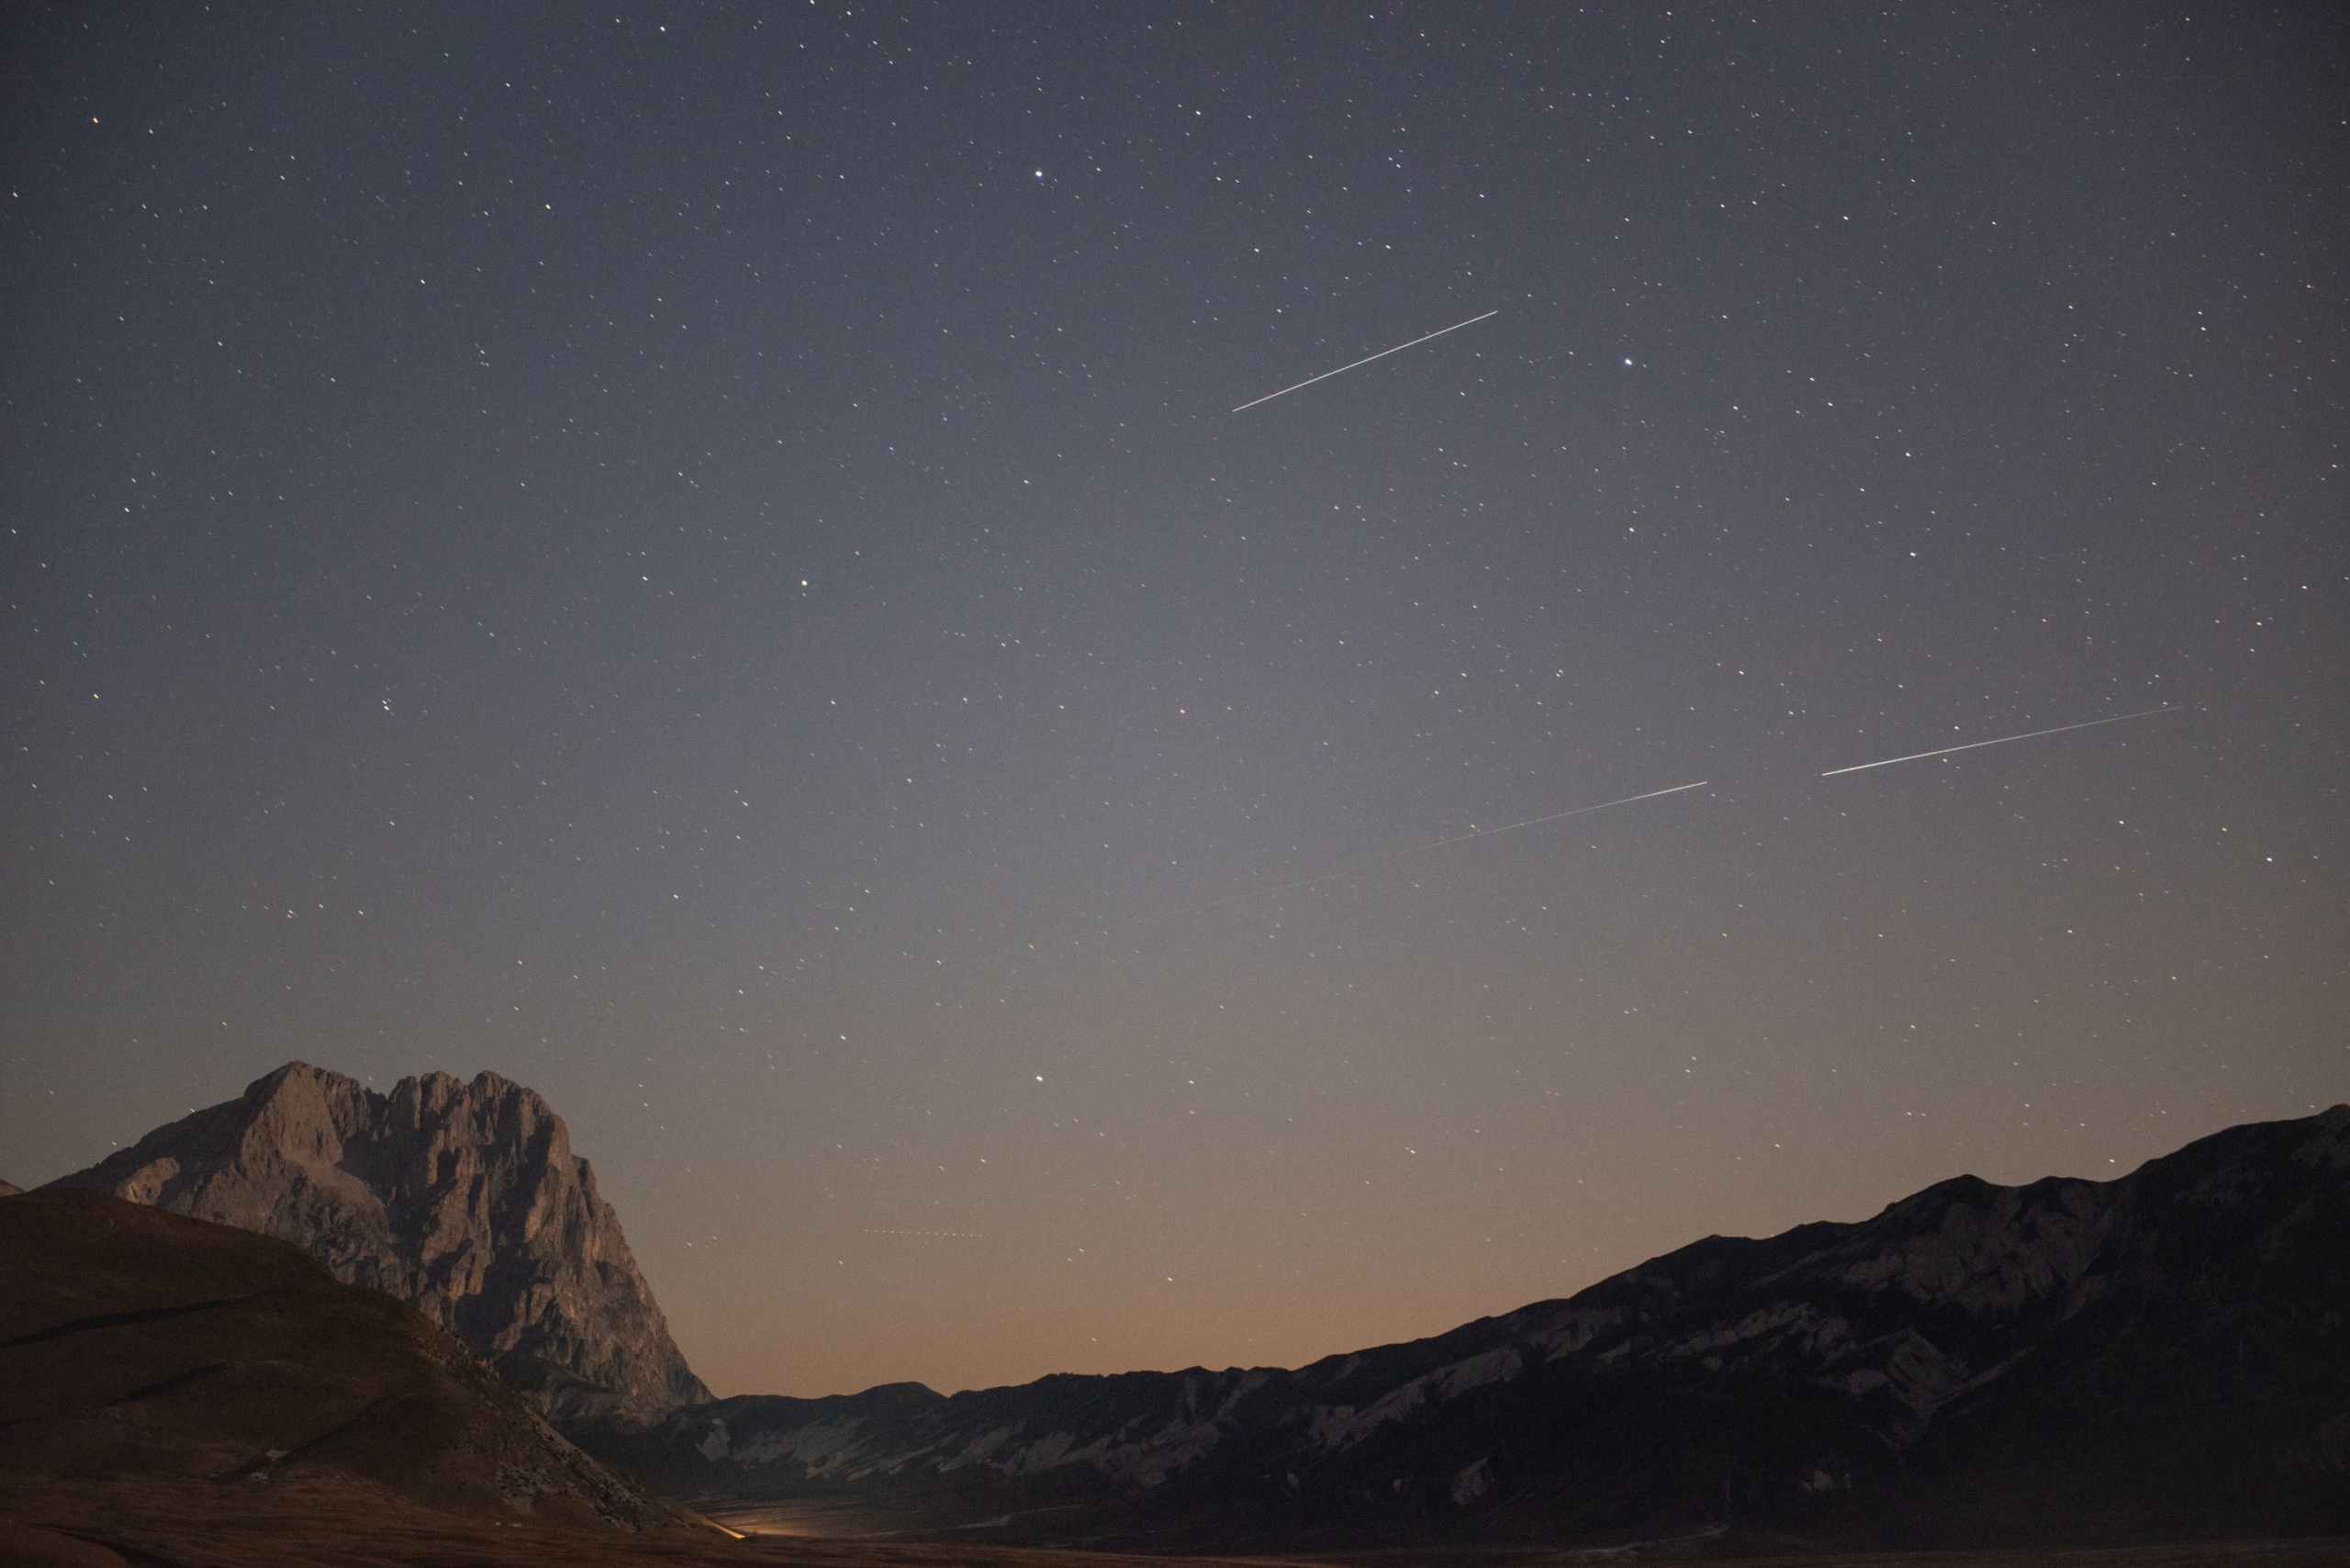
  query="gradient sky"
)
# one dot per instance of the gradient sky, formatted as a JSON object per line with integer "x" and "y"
{"x": 699, "y": 557}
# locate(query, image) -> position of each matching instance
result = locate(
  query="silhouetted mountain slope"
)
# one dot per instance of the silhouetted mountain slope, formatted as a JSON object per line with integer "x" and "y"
{"x": 464, "y": 1199}
{"x": 2163, "y": 1355}
{"x": 140, "y": 1346}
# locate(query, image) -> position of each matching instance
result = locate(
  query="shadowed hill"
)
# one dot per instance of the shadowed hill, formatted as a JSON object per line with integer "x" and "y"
{"x": 139, "y": 1345}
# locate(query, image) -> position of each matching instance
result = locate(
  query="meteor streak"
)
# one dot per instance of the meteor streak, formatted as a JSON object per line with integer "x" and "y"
{"x": 955, "y": 1235}
{"x": 1554, "y": 816}
{"x": 1382, "y": 354}
{"x": 2027, "y": 735}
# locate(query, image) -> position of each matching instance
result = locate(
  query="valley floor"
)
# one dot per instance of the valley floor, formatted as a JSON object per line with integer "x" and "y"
{"x": 311, "y": 1524}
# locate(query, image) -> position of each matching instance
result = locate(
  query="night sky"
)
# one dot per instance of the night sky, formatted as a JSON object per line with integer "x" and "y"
{"x": 699, "y": 557}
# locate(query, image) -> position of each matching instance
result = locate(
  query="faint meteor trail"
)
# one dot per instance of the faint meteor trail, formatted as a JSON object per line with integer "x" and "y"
{"x": 2027, "y": 735}
{"x": 952, "y": 1235}
{"x": 1414, "y": 849}
{"x": 1382, "y": 354}
{"x": 1554, "y": 816}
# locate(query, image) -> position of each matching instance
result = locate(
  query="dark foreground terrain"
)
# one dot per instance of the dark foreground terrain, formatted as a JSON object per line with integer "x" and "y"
{"x": 339, "y": 1521}
{"x": 146, "y": 1354}
{"x": 311, "y": 1524}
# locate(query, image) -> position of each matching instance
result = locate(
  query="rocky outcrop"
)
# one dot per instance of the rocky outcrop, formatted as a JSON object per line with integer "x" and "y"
{"x": 464, "y": 1199}
{"x": 2164, "y": 1355}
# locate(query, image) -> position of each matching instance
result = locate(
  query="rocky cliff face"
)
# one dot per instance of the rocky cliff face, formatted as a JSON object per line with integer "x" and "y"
{"x": 464, "y": 1199}
{"x": 2166, "y": 1355}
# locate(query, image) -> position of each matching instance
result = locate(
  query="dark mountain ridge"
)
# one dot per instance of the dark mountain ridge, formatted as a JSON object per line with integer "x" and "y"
{"x": 2166, "y": 1355}
{"x": 462, "y": 1199}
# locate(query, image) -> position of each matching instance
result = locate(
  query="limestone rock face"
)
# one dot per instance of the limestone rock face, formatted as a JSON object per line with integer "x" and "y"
{"x": 464, "y": 1199}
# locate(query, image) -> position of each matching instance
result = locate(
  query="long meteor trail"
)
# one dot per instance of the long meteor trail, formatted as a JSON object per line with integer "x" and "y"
{"x": 1554, "y": 816}
{"x": 2027, "y": 735}
{"x": 1414, "y": 849}
{"x": 1382, "y": 354}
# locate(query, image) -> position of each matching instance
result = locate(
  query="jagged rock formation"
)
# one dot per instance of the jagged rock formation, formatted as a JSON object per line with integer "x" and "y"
{"x": 464, "y": 1199}
{"x": 2159, "y": 1355}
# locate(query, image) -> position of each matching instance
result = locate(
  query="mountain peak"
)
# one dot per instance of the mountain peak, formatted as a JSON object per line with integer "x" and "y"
{"x": 462, "y": 1198}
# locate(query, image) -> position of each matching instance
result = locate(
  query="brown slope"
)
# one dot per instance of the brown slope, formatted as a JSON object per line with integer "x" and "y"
{"x": 140, "y": 1346}
{"x": 464, "y": 1199}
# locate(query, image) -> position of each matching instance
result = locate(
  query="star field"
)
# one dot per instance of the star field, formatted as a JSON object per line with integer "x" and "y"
{"x": 702, "y": 558}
